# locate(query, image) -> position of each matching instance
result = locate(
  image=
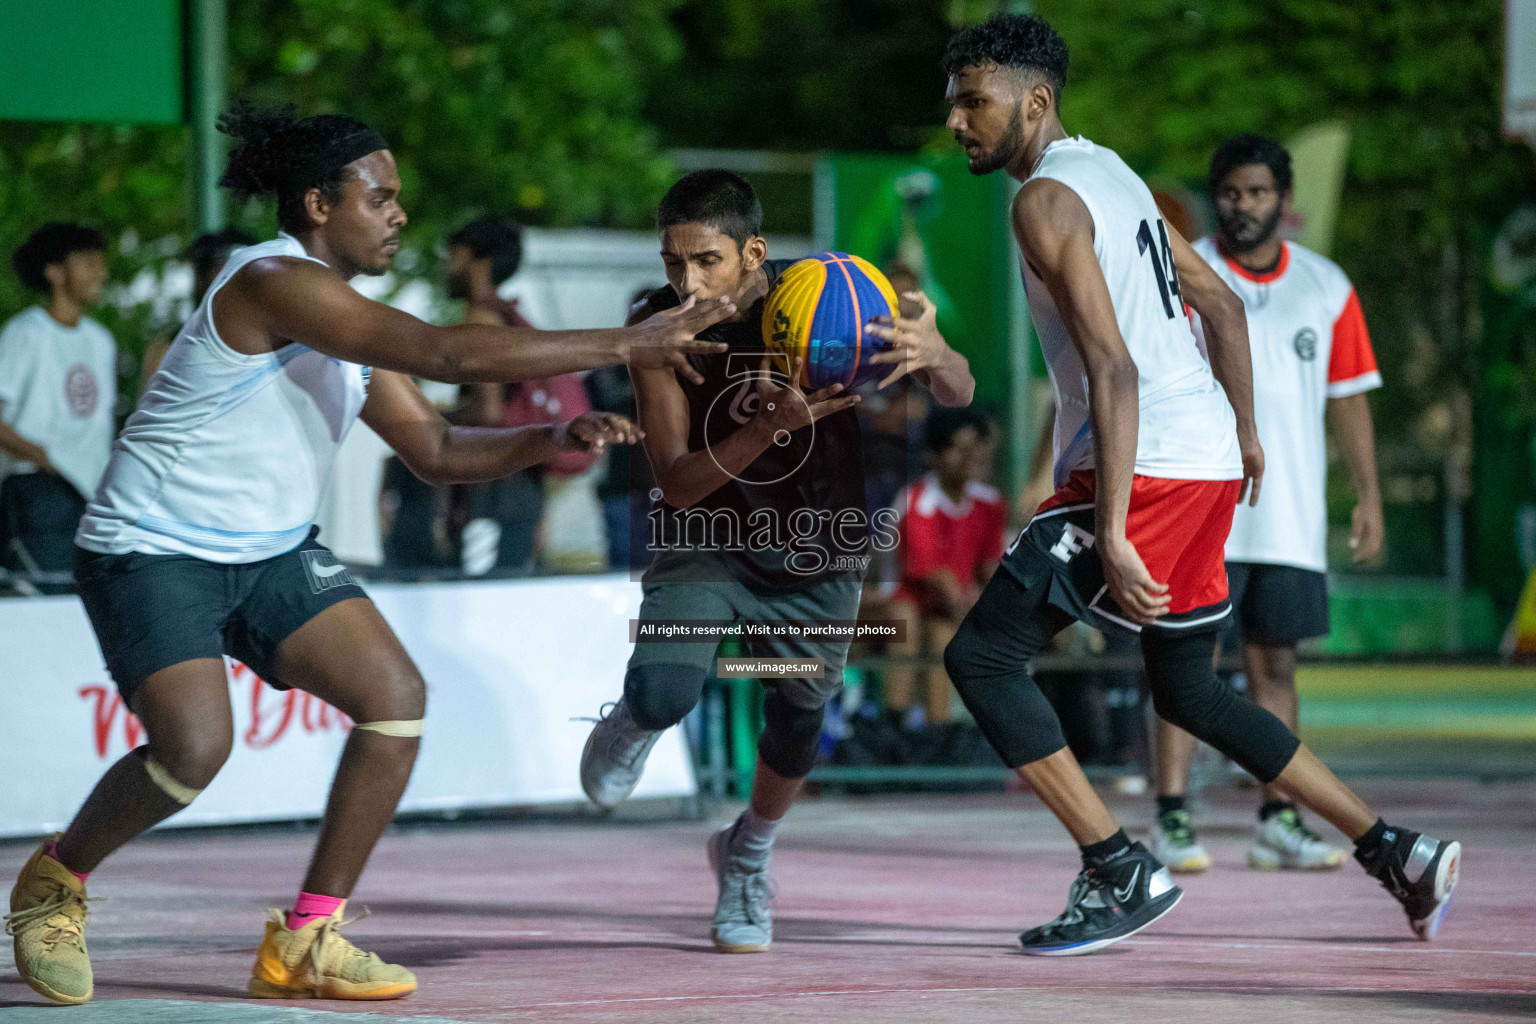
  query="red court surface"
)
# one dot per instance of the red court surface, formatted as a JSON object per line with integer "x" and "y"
{"x": 889, "y": 909}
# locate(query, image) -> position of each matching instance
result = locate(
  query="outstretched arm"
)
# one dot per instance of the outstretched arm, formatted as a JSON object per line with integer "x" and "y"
{"x": 1226, "y": 341}
{"x": 440, "y": 453}
{"x": 300, "y": 301}
{"x": 1055, "y": 234}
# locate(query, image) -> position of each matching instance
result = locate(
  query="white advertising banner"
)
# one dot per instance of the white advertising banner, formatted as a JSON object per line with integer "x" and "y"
{"x": 508, "y": 665}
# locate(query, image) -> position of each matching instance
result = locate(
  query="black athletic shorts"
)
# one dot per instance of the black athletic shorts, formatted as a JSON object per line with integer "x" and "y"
{"x": 154, "y": 611}
{"x": 1278, "y": 605}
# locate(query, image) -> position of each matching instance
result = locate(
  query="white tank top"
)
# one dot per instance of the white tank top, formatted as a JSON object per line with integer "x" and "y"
{"x": 1187, "y": 430}
{"x": 227, "y": 455}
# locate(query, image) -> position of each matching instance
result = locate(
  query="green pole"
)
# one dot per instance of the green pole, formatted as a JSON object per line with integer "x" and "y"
{"x": 1021, "y": 340}
{"x": 209, "y": 56}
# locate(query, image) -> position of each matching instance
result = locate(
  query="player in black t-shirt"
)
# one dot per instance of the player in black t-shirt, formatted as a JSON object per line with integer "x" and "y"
{"x": 758, "y": 514}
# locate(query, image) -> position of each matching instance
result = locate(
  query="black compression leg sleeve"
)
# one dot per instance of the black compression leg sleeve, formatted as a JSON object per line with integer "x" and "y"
{"x": 1186, "y": 693}
{"x": 659, "y": 696}
{"x": 790, "y": 735}
{"x": 988, "y": 661}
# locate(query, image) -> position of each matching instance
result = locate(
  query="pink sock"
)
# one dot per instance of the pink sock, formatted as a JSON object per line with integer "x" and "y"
{"x": 53, "y": 851}
{"x": 310, "y": 906}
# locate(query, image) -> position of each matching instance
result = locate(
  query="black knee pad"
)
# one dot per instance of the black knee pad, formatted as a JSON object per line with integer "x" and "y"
{"x": 790, "y": 736}
{"x": 989, "y": 665}
{"x": 1186, "y": 693}
{"x": 659, "y": 696}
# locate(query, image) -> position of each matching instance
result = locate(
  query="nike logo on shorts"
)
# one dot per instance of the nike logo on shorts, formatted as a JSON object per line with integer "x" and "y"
{"x": 325, "y": 573}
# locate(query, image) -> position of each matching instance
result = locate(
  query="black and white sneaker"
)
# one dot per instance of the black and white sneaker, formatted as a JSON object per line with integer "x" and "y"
{"x": 1420, "y": 872}
{"x": 1107, "y": 903}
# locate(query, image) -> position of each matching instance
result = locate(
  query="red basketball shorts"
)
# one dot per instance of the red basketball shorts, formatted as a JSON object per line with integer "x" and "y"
{"x": 1179, "y": 527}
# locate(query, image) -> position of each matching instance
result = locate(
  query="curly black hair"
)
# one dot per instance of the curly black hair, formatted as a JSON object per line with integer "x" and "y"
{"x": 943, "y": 423}
{"x": 497, "y": 237}
{"x": 49, "y": 245}
{"x": 280, "y": 154}
{"x": 1250, "y": 149}
{"x": 1022, "y": 42}
{"x": 722, "y": 199}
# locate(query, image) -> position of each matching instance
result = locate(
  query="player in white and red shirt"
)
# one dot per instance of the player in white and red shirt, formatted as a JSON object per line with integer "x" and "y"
{"x": 1154, "y": 446}
{"x": 1311, "y": 355}
{"x": 952, "y": 528}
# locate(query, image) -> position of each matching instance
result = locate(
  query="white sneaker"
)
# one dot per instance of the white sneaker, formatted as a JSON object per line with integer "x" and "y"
{"x": 743, "y": 918}
{"x": 614, "y": 756}
{"x": 1282, "y": 841}
{"x": 1174, "y": 843}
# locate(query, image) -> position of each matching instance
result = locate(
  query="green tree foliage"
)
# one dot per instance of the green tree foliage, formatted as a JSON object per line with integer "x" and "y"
{"x": 803, "y": 75}
{"x": 527, "y": 107}
{"x": 1429, "y": 176}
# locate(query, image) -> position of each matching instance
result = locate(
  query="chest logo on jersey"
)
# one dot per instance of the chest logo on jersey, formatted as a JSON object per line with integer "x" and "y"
{"x": 80, "y": 391}
{"x": 1305, "y": 344}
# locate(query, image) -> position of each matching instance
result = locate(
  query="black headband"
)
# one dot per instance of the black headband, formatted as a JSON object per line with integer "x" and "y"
{"x": 334, "y": 156}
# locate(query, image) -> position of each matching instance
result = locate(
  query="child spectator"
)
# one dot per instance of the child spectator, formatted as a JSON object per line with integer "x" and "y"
{"x": 952, "y": 529}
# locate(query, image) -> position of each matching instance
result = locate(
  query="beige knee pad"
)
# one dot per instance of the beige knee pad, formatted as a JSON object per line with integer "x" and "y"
{"x": 161, "y": 776}
{"x": 403, "y": 729}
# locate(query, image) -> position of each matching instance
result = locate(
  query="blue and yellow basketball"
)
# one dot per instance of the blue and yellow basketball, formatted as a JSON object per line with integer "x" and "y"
{"x": 819, "y": 310}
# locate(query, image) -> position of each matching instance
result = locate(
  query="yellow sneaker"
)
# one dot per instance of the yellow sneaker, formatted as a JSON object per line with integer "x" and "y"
{"x": 315, "y": 962}
{"x": 47, "y": 918}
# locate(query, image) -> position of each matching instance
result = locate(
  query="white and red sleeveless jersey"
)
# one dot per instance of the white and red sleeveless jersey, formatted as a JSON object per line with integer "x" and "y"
{"x": 1187, "y": 430}
{"x": 1309, "y": 344}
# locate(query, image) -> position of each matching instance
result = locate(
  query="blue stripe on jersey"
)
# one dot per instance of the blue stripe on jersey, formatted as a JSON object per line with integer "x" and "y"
{"x": 247, "y": 386}
{"x": 223, "y": 540}
{"x": 1069, "y": 454}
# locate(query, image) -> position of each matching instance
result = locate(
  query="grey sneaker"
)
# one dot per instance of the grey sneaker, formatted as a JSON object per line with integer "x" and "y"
{"x": 1283, "y": 841}
{"x": 614, "y": 756}
{"x": 743, "y": 922}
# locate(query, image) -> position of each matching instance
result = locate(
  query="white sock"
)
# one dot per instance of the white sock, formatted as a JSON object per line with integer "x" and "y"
{"x": 752, "y": 839}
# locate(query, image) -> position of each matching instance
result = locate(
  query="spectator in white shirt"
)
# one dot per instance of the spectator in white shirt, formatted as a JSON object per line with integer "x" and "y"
{"x": 58, "y": 386}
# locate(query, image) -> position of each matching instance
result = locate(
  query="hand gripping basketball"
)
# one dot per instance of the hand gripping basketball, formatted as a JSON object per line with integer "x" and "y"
{"x": 783, "y": 408}
{"x": 914, "y": 344}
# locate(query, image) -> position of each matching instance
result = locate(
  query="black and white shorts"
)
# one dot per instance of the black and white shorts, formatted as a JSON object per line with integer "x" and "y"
{"x": 1278, "y": 605}
{"x": 154, "y": 611}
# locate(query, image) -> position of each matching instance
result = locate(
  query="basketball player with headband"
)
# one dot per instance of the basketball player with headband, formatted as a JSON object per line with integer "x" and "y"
{"x": 737, "y": 449}
{"x": 200, "y": 543}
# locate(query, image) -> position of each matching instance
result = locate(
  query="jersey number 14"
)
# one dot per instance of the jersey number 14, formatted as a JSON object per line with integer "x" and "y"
{"x": 1162, "y": 263}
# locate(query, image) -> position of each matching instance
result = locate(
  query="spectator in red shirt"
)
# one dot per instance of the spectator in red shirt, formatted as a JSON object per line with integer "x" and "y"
{"x": 952, "y": 528}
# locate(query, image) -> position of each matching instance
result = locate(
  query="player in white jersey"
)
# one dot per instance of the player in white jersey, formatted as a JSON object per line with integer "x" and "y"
{"x": 200, "y": 543}
{"x": 1311, "y": 354}
{"x": 1152, "y": 455}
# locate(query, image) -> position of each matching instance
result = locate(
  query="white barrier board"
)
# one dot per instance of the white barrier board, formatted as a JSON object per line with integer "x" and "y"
{"x": 508, "y": 664}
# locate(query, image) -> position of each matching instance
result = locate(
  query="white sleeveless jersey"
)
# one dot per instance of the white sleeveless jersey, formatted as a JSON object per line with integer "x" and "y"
{"x": 1187, "y": 430}
{"x": 227, "y": 455}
